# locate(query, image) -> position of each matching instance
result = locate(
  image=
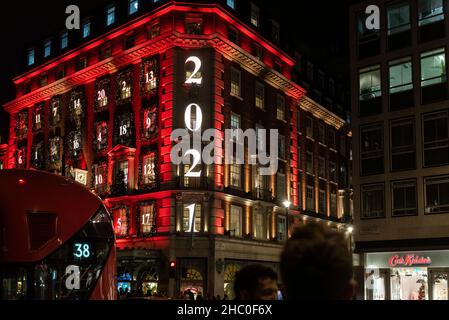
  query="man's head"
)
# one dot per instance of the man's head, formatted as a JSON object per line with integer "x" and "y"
{"x": 256, "y": 282}
{"x": 316, "y": 264}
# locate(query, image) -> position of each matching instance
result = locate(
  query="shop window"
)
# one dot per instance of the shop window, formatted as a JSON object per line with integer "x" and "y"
{"x": 236, "y": 221}
{"x": 191, "y": 218}
{"x": 436, "y": 139}
{"x": 372, "y": 149}
{"x": 437, "y": 195}
{"x": 373, "y": 201}
{"x": 404, "y": 198}
{"x": 403, "y": 146}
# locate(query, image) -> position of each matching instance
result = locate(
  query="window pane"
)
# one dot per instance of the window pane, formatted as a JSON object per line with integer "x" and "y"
{"x": 369, "y": 81}
{"x": 433, "y": 68}
{"x": 430, "y": 11}
{"x": 401, "y": 77}
{"x": 398, "y": 18}
{"x": 437, "y": 195}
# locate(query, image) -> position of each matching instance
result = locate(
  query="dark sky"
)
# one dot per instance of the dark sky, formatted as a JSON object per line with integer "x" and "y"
{"x": 311, "y": 24}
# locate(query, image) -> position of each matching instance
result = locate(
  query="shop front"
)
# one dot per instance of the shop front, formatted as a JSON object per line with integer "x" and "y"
{"x": 421, "y": 275}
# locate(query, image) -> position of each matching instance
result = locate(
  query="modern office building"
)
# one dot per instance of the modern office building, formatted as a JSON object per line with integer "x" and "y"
{"x": 401, "y": 149}
{"x": 102, "y": 112}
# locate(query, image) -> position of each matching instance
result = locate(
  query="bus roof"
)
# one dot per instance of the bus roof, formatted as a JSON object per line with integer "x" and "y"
{"x": 40, "y": 211}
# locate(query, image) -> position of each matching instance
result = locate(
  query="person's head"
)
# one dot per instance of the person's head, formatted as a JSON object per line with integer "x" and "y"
{"x": 256, "y": 282}
{"x": 316, "y": 264}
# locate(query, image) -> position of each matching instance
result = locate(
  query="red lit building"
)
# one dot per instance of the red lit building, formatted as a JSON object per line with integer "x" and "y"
{"x": 103, "y": 114}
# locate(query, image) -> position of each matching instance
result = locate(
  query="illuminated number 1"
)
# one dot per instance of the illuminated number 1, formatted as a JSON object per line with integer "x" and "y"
{"x": 98, "y": 179}
{"x": 76, "y": 144}
{"x": 38, "y": 118}
{"x": 123, "y": 130}
{"x": 191, "y": 209}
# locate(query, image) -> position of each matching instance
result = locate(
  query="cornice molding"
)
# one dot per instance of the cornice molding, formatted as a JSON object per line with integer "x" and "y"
{"x": 320, "y": 112}
{"x": 151, "y": 47}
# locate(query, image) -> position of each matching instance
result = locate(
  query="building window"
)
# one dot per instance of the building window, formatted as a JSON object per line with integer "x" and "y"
{"x": 372, "y": 149}
{"x": 331, "y": 138}
{"x": 149, "y": 169}
{"x": 236, "y": 174}
{"x": 322, "y": 167}
{"x": 333, "y": 204}
{"x": 275, "y": 31}
{"x": 310, "y": 199}
{"x": 433, "y": 67}
{"x": 404, "y": 198}
{"x": 110, "y": 15}
{"x": 147, "y": 218}
{"x": 122, "y": 173}
{"x": 332, "y": 171}
{"x": 121, "y": 222}
{"x": 403, "y": 145}
{"x": 231, "y": 4}
{"x": 369, "y": 83}
{"x": 321, "y": 129}
{"x": 322, "y": 202}
{"x": 192, "y": 218}
{"x": 437, "y": 195}
{"x": 430, "y": 11}
{"x": 258, "y": 225}
{"x": 281, "y": 193}
{"x": 309, "y": 127}
{"x": 398, "y": 18}
{"x": 130, "y": 40}
{"x": 100, "y": 178}
{"x": 260, "y": 95}
{"x": 64, "y": 40}
{"x": 309, "y": 162}
{"x": 47, "y": 48}
{"x": 280, "y": 102}
{"x": 106, "y": 52}
{"x": 236, "y": 221}
{"x": 101, "y": 136}
{"x": 401, "y": 75}
{"x": 281, "y": 147}
{"x": 194, "y": 25}
{"x": 235, "y": 125}
{"x": 255, "y": 15}
{"x": 81, "y": 63}
{"x": 233, "y": 35}
{"x": 373, "y": 201}
{"x": 30, "y": 57}
{"x": 43, "y": 80}
{"x": 282, "y": 228}
{"x": 343, "y": 146}
{"x": 86, "y": 29}
{"x": 436, "y": 139}
{"x": 60, "y": 73}
{"x": 133, "y": 6}
{"x": 236, "y": 78}
{"x": 154, "y": 31}
{"x": 257, "y": 51}
{"x": 261, "y": 141}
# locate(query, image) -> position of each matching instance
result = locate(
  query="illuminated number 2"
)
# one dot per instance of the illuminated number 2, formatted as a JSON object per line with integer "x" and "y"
{"x": 196, "y": 160}
{"x": 101, "y": 94}
{"x": 197, "y": 62}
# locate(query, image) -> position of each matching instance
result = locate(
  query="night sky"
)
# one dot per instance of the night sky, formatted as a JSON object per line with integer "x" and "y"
{"x": 318, "y": 27}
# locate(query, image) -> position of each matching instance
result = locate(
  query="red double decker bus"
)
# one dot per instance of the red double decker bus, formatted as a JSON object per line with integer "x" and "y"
{"x": 56, "y": 239}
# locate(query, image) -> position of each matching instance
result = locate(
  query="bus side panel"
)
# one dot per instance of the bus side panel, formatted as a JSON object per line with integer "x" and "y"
{"x": 105, "y": 288}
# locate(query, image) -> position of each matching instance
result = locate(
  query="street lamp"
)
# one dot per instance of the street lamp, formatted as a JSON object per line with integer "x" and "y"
{"x": 287, "y": 204}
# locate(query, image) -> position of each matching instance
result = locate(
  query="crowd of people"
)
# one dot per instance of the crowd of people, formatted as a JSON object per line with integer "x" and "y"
{"x": 315, "y": 264}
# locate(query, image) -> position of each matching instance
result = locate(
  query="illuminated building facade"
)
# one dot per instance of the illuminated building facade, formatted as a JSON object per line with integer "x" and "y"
{"x": 103, "y": 114}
